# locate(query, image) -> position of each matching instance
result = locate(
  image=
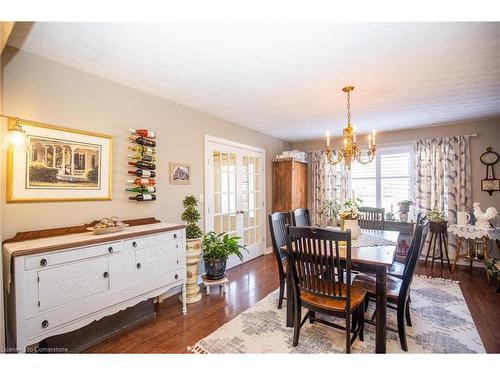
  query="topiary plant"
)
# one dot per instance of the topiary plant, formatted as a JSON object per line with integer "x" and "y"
{"x": 191, "y": 216}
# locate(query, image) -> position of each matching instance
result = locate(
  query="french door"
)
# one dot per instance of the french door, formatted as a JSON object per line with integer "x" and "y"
{"x": 234, "y": 194}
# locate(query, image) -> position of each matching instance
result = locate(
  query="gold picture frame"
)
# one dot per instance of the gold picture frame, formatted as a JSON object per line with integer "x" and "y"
{"x": 66, "y": 149}
{"x": 180, "y": 173}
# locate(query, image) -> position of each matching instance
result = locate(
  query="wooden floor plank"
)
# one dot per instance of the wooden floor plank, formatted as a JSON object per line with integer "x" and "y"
{"x": 172, "y": 332}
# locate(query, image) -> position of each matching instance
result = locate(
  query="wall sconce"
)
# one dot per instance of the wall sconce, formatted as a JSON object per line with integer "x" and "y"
{"x": 16, "y": 138}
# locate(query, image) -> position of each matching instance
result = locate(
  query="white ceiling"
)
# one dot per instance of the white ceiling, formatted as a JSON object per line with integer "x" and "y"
{"x": 285, "y": 79}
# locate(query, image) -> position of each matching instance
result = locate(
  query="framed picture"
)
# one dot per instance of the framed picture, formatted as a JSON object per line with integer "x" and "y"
{"x": 180, "y": 173}
{"x": 61, "y": 165}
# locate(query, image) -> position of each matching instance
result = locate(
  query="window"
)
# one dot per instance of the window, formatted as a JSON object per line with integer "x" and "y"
{"x": 385, "y": 181}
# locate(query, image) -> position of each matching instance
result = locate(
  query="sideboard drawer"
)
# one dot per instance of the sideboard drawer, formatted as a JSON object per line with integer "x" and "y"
{"x": 71, "y": 282}
{"x": 52, "y": 259}
{"x": 140, "y": 242}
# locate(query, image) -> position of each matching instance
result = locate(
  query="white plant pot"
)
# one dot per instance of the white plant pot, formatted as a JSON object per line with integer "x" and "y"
{"x": 193, "y": 256}
{"x": 353, "y": 225}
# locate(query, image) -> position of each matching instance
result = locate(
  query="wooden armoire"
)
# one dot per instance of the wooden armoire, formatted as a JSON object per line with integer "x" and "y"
{"x": 289, "y": 185}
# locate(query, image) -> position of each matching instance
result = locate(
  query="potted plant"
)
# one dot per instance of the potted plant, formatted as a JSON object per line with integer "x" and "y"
{"x": 329, "y": 210}
{"x": 216, "y": 249}
{"x": 437, "y": 221}
{"x": 404, "y": 209}
{"x": 194, "y": 234}
{"x": 349, "y": 217}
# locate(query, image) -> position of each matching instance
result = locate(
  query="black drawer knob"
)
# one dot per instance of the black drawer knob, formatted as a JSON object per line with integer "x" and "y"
{"x": 110, "y": 249}
{"x": 134, "y": 244}
{"x": 176, "y": 277}
{"x": 175, "y": 235}
{"x": 138, "y": 266}
{"x": 45, "y": 324}
{"x": 105, "y": 275}
{"x": 43, "y": 262}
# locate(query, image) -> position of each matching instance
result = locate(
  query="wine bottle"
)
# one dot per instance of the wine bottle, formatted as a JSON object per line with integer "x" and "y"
{"x": 143, "y": 197}
{"x": 143, "y": 173}
{"x": 142, "y": 164}
{"x": 142, "y": 150}
{"x": 142, "y": 181}
{"x": 143, "y": 157}
{"x": 143, "y": 133}
{"x": 142, "y": 141}
{"x": 142, "y": 189}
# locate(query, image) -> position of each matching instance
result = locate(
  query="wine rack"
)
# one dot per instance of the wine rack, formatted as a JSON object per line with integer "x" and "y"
{"x": 142, "y": 165}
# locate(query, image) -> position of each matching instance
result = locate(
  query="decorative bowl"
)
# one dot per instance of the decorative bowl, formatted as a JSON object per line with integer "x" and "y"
{"x": 117, "y": 228}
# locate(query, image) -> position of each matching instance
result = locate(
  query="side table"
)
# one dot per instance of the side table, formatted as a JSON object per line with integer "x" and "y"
{"x": 221, "y": 283}
{"x": 470, "y": 232}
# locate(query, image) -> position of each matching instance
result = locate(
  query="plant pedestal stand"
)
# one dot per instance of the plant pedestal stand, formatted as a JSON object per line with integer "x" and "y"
{"x": 220, "y": 283}
{"x": 193, "y": 256}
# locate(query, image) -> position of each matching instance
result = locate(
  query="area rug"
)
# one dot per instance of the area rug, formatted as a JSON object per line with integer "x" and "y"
{"x": 441, "y": 324}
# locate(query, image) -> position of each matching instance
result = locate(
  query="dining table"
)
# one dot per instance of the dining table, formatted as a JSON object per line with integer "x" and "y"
{"x": 375, "y": 259}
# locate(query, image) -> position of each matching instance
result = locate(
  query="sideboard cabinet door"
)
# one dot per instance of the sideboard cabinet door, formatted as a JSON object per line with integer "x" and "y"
{"x": 155, "y": 260}
{"x": 71, "y": 282}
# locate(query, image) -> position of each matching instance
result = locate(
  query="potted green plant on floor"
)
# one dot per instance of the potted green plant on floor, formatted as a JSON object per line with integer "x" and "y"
{"x": 216, "y": 249}
{"x": 194, "y": 235}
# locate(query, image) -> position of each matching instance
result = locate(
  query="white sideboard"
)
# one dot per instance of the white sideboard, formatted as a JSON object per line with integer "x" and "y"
{"x": 65, "y": 282}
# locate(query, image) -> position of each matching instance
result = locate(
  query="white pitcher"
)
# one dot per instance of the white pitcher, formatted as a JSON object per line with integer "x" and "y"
{"x": 462, "y": 218}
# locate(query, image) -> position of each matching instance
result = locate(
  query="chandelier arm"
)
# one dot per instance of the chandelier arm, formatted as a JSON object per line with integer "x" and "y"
{"x": 330, "y": 158}
{"x": 371, "y": 156}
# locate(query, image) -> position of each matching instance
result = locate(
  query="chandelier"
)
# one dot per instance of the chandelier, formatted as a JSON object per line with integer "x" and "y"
{"x": 350, "y": 150}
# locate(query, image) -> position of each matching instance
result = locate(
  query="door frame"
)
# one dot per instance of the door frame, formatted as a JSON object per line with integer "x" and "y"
{"x": 207, "y": 177}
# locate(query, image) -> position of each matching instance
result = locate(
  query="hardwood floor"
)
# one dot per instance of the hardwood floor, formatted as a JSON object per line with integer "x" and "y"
{"x": 172, "y": 332}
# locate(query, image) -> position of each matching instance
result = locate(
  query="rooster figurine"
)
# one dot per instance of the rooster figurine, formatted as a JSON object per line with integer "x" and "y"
{"x": 483, "y": 218}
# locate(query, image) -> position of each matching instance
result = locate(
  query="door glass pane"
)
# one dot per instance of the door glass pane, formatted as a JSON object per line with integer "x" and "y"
{"x": 224, "y": 174}
{"x": 250, "y": 199}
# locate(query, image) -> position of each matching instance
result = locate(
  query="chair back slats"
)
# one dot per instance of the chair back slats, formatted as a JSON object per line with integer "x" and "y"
{"x": 414, "y": 252}
{"x": 316, "y": 264}
{"x": 371, "y": 218}
{"x": 301, "y": 217}
{"x": 277, "y": 225}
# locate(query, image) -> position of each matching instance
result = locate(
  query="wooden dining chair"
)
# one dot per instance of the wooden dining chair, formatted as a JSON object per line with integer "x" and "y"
{"x": 397, "y": 268}
{"x": 277, "y": 226}
{"x": 322, "y": 282}
{"x": 301, "y": 217}
{"x": 371, "y": 218}
{"x": 398, "y": 290}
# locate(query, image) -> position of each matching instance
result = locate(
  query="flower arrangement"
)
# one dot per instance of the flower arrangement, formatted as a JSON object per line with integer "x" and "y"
{"x": 350, "y": 210}
{"x": 404, "y": 206}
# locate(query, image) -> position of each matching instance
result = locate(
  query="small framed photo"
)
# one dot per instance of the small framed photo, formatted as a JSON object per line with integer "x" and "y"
{"x": 180, "y": 173}
{"x": 61, "y": 165}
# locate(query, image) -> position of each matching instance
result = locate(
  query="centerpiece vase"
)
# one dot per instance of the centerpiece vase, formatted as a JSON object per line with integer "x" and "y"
{"x": 193, "y": 256}
{"x": 353, "y": 225}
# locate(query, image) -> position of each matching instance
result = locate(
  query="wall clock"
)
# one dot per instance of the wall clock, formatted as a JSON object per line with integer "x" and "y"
{"x": 490, "y": 183}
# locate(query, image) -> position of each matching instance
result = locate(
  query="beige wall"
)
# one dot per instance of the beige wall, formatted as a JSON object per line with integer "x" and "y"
{"x": 488, "y": 132}
{"x": 41, "y": 90}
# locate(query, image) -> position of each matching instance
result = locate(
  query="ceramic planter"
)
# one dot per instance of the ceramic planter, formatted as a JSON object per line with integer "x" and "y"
{"x": 215, "y": 268}
{"x": 193, "y": 255}
{"x": 353, "y": 225}
{"x": 403, "y": 216}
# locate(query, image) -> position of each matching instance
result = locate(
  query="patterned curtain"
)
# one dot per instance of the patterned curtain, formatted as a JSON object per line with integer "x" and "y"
{"x": 443, "y": 177}
{"x": 328, "y": 182}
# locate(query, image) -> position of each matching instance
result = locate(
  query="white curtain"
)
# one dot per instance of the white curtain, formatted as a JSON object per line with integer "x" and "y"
{"x": 328, "y": 182}
{"x": 443, "y": 177}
